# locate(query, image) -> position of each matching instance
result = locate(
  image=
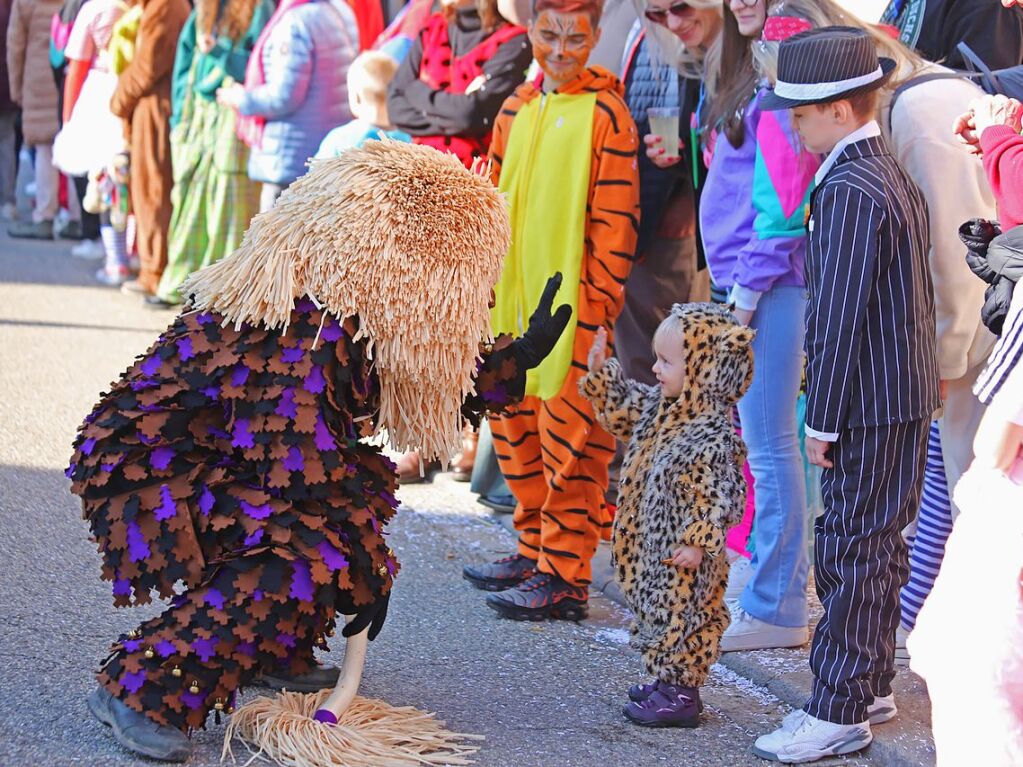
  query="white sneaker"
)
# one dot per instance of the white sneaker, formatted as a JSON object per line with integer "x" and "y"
{"x": 804, "y": 738}
{"x": 89, "y": 249}
{"x": 748, "y": 633}
{"x": 739, "y": 574}
{"x": 882, "y": 709}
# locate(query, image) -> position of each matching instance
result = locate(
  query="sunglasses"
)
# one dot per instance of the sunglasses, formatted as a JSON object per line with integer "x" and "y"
{"x": 660, "y": 16}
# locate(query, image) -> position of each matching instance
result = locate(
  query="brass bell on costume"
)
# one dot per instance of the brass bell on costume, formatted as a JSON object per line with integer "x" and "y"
{"x": 321, "y": 640}
{"x": 149, "y": 653}
{"x": 134, "y": 634}
{"x": 194, "y": 688}
{"x": 382, "y": 570}
{"x": 176, "y": 671}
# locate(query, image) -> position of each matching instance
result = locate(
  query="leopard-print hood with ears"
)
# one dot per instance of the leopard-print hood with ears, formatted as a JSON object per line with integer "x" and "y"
{"x": 719, "y": 355}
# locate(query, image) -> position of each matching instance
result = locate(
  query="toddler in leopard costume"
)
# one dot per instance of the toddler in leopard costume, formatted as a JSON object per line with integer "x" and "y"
{"x": 681, "y": 488}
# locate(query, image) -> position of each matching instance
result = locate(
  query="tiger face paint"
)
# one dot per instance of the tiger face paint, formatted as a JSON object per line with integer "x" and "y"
{"x": 562, "y": 43}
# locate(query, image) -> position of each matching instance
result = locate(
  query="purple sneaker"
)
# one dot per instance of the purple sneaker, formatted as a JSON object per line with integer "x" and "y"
{"x": 640, "y": 692}
{"x": 668, "y": 706}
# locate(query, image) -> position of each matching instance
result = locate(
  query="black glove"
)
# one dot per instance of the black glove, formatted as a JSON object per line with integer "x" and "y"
{"x": 544, "y": 328}
{"x": 372, "y": 615}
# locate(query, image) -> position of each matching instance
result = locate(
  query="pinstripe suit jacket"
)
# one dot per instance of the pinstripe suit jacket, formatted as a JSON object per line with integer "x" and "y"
{"x": 870, "y": 340}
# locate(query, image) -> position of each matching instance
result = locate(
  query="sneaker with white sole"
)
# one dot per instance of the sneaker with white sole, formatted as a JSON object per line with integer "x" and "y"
{"x": 803, "y": 738}
{"x": 748, "y": 633}
{"x": 739, "y": 574}
{"x": 91, "y": 250}
{"x": 882, "y": 710}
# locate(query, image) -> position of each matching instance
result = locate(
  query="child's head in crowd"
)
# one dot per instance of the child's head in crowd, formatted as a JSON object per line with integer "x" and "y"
{"x": 822, "y": 126}
{"x": 368, "y": 78}
{"x": 563, "y": 34}
{"x": 670, "y": 349}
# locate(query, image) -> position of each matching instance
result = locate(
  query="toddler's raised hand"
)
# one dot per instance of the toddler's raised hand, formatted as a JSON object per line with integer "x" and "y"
{"x": 598, "y": 352}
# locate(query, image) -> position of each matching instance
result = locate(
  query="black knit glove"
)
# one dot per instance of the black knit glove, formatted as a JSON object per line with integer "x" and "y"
{"x": 544, "y": 328}
{"x": 372, "y": 615}
{"x": 976, "y": 235}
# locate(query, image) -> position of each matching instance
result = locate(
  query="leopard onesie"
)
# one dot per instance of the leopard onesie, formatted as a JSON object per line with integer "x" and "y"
{"x": 681, "y": 484}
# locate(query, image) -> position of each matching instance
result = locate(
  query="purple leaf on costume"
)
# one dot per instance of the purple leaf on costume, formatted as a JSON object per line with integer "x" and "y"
{"x": 138, "y": 549}
{"x": 301, "y": 581}
{"x": 246, "y": 648}
{"x": 294, "y": 460}
{"x": 374, "y": 524}
{"x": 314, "y": 382}
{"x": 214, "y": 598}
{"x": 331, "y": 330}
{"x": 70, "y": 470}
{"x": 256, "y": 512}
{"x": 206, "y": 501}
{"x": 88, "y": 446}
{"x": 304, "y": 305}
{"x": 288, "y": 640}
{"x": 167, "y": 507}
{"x": 122, "y": 587}
{"x": 257, "y": 595}
{"x": 497, "y": 394}
{"x": 286, "y": 407}
{"x": 322, "y": 437}
{"x": 391, "y": 500}
{"x": 185, "y": 350}
{"x": 205, "y": 318}
{"x": 332, "y": 558}
{"x": 218, "y": 433}
{"x": 392, "y": 566}
{"x": 256, "y": 537}
{"x": 132, "y": 645}
{"x": 161, "y": 458}
{"x": 239, "y": 375}
{"x": 213, "y": 392}
{"x": 108, "y": 467}
{"x": 165, "y": 648}
{"x": 193, "y": 701}
{"x": 146, "y": 440}
{"x": 150, "y": 365}
{"x": 242, "y": 436}
{"x": 133, "y": 680}
{"x": 205, "y": 648}
{"x": 292, "y": 354}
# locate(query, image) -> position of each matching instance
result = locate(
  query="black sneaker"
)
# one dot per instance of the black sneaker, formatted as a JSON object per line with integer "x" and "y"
{"x": 321, "y": 677}
{"x": 500, "y": 575}
{"x": 542, "y": 596}
{"x": 137, "y": 732}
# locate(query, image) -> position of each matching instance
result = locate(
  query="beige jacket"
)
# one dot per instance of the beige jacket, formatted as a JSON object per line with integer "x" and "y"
{"x": 28, "y": 68}
{"x": 956, "y": 189}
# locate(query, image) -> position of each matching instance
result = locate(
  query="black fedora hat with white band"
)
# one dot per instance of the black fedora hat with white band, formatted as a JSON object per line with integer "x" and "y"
{"x": 823, "y": 65}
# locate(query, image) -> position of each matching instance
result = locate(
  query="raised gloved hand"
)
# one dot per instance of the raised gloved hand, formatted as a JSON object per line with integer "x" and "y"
{"x": 544, "y": 328}
{"x": 372, "y": 615}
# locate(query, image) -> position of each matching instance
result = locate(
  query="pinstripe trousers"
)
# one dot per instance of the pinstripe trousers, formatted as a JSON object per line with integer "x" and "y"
{"x": 861, "y": 563}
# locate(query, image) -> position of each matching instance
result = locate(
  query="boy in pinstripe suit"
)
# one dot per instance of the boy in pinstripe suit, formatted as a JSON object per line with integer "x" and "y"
{"x": 872, "y": 381}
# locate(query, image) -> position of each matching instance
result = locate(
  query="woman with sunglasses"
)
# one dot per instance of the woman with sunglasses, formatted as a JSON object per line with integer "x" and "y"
{"x": 751, "y": 219}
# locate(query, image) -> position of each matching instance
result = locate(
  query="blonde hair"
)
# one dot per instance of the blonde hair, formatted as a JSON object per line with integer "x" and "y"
{"x": 670, "y": 325}
{"x": 370, "y": 74}
{"x": 828, "y": 13}
{"x": 667, "y": 49}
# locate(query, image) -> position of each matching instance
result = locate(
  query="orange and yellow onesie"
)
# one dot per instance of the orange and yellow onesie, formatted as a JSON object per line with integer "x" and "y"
{"x": 568, "y": 162}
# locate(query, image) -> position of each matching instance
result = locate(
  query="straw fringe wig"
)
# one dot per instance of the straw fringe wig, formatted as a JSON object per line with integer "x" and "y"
{"x": 402, "y": 236}
{"x": 370, "y": 733}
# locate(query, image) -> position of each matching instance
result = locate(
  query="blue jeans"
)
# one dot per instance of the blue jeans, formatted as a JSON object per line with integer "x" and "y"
{"x": 776, "y": 593}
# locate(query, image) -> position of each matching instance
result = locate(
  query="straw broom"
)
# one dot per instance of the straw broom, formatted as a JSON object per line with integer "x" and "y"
{"x": 405, "y": 238}
{"x": 370, "y": 733}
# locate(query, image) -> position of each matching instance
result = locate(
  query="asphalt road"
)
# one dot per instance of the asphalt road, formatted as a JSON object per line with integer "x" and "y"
{"x": 546, "y": 695}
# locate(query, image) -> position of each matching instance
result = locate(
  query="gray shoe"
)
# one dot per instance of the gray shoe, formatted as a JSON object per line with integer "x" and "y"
{"x": 320, "y": 678}
{"x": 137, "y": 732}
{"x": 30, "y": 230}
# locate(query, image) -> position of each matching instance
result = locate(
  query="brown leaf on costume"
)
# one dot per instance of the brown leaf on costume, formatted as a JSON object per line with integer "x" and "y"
{"x": 305, "y": 419}
{"x": 260, "y": 610}
{"x": 135, "y": 472}
{"x": 278, "y": 366}
{"x": 314, "y": 473}
{"x": 276, "y": 423}
{"x": 279, "y": 476}
{"x": 319, "y": 571}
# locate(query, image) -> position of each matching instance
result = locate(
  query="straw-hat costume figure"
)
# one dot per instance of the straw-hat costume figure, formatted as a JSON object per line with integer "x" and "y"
{"x": 230, "y": 455}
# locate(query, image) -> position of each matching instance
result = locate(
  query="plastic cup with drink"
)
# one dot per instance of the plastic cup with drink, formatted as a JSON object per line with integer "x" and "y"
{"x": 664, "y": 123}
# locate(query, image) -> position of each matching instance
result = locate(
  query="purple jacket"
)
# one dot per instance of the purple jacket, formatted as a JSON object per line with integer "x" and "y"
{"x": 753, "y": 208}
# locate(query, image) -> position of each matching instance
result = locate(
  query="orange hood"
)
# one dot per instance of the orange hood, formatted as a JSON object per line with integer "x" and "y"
{"x": 593, "y": 78}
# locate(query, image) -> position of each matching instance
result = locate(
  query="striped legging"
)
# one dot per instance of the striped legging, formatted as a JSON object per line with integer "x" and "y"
{"x": 934, "y": 525}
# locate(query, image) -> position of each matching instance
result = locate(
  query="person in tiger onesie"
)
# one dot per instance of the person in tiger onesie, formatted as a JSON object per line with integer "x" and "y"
{"x": 565, "y": 155}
